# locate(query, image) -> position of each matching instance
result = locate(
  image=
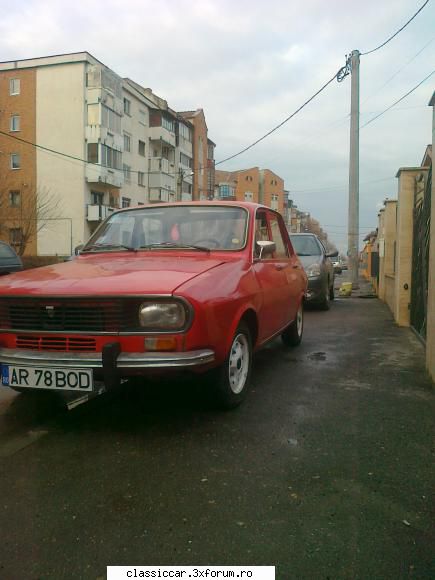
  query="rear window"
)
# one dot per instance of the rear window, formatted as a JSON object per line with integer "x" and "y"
{"x": 305, "y": 246}
{"x": 6, "y": 251}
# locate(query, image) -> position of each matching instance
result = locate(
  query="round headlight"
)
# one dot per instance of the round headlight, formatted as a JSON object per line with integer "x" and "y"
{"x": 162, "y": 315}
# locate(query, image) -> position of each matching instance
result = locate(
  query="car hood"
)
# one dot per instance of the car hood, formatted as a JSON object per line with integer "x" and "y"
{"x": 110, "y": 274}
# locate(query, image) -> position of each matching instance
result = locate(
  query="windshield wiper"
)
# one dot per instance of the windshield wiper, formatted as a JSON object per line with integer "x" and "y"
{"x": 174, "y": 245}
{"x": 300, "y": 254}
{"x": 109, "y": 247}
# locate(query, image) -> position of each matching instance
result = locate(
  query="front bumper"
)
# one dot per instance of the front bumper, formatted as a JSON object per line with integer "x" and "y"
{"x": 122, "y": 361}
{"x": 315, "y": 291}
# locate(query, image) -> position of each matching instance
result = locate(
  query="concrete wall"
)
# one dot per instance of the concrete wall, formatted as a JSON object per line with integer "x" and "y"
{"x": 403, "y": 263}
{"x": 387, "y": 244}
{"x": 60, "y": 125}
{"x": 430, "y": 338}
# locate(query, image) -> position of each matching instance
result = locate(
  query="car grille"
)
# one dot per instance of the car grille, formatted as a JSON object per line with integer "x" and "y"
{"x": 60, "y": 343}
{"x": 68, "y": 315}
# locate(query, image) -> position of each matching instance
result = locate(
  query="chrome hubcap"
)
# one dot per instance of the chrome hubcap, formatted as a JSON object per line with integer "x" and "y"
{"x": 238, "y": 364}
{"x": 299, "y": 320}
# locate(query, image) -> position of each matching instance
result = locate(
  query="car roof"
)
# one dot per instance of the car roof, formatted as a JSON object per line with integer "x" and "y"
{"x": 250, "y": 205}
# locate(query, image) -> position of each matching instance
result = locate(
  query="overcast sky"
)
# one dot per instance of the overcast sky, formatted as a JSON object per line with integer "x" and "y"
{"x": 249, "y": 65}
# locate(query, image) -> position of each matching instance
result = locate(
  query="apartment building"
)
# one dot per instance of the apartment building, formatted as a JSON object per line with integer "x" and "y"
{"x": 90, "y": 142}
{"x": 203, "y": 154}
{"x": 253, "y": 184}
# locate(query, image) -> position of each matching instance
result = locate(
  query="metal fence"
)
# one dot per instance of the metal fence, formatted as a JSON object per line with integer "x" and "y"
{"x": 420, "y": 255}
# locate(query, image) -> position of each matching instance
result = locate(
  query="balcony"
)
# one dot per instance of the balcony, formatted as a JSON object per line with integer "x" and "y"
{"x": 162, "y": 181}
{"x": 100, "y": 174}
{"x": 161, "y": 195}
{"x": 162, "y": 134}
{"x": 98, "y": 213}
{"x": 160, "y": 164}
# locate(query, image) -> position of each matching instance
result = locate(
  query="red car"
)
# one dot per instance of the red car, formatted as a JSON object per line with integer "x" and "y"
{"x": 193, "y": 286}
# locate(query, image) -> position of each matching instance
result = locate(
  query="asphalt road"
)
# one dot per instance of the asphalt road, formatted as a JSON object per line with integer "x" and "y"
{"x": 326, "y": 471}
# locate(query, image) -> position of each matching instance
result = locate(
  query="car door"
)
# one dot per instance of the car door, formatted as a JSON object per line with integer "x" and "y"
{"x": 274, "y": 274}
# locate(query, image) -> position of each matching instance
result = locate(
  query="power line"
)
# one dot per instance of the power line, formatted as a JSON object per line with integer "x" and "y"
{"x": 397, "y": 32}
{"x": 398, "y": 100}
{"x": 333, "y": 187}
{"x": 339, "y": 76}
{"x": 400, "y": 70}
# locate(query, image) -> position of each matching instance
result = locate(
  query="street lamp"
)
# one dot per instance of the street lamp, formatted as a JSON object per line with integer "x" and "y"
{"x": 182, "y": 173}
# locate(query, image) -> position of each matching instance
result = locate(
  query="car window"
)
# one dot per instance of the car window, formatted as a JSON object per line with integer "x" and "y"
{"x": 261, "y": 231}
{"x": 216, "y": 228}
{"x": 306, "y": 246}
{"x": 6, "y": 251}
{"x": 281, "y": 246}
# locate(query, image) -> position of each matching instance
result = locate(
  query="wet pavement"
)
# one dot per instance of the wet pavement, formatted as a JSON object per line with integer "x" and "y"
{"x": 326, "y": 471}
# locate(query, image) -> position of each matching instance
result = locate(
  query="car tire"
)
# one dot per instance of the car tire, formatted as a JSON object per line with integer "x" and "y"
{"x": 230, "y": 381}
{"x": 292, "y": 335}
{"x": 324, "y": 304}
{"x": 331, "y": 291}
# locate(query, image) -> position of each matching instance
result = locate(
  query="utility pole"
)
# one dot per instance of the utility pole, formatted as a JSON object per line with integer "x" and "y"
{"x": 353, "y": 220}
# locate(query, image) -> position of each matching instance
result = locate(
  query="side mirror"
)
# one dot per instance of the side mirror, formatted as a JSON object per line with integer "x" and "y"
{"x": 332, "y": 254}
{"x": 266, "y": 248}
{"x": 78, "y": 249}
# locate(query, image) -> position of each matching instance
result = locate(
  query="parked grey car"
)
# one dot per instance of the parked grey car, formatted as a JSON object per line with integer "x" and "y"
{"x": 318, "y": 267}
{"x": 9, "y": 261}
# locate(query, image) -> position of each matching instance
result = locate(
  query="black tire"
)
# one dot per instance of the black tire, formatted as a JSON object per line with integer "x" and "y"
{"x": 292, "y": 335}
{"x": 331, "y": 291}
{"x": 324, "y": 304}
{"x": 230, "y": 381}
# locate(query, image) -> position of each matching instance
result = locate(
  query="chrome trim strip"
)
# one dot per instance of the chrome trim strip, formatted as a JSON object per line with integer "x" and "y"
{"x": 126, "y": 360}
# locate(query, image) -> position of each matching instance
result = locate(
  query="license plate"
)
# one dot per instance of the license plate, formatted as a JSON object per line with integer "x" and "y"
{"x": 47, "y": 378}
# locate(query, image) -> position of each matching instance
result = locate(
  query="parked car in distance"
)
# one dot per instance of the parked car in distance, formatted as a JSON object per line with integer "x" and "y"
{"x": 158, "y": 288}
{"x": 337, "y": 266}
{"x": 318, "y": 267}
{"x": 9, "y": 260}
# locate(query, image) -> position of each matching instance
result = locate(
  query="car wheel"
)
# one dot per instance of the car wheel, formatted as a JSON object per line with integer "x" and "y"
{"x": 292, "y": 335}
{"x": 331, "y": 291}
{"x": 324, "y": 304}
{"x": 230, "y": 381}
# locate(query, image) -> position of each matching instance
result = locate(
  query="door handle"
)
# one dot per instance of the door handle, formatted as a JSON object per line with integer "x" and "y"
{"x": 295, "y": 266}
{"x": 279, "y": 267}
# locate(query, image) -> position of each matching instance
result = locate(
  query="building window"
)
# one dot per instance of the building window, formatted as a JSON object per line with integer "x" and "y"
{"x": 15, "y": 123}
{"x": 111, "y": 120}
{"x": 14, "y": 87}
{"x": 127, "y": 107}
{"x": 126, "y": 202}
{"x": 97, "y": 197}
{"x": 249, "y": 196}
{"x": 127, "y": 173}
{"x": 110, "y": 157}
{"x": 141, "y": 148}
{"x": 15, "y": 236}
{"x": 142, "y": 117}
{"x": 140, "y": 178}
{"x": 14, "y": 198}
{"x": 168, "y": 124}
{"x": 15, "y": 161}
{"x": 226, "y": 191}
{"x": 92, "y": 152}
{"x": 185, "y": 160}
{"x": 127, "y": 142}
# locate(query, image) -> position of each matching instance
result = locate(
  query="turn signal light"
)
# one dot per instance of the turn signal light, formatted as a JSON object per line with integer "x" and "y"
{"x": 163, "y": 343}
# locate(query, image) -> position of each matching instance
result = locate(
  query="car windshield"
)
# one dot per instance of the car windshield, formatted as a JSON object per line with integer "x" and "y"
{"x": 196, "y": 227}
{"x": 305, "y": 246}
{"x": 6, "y": 251}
